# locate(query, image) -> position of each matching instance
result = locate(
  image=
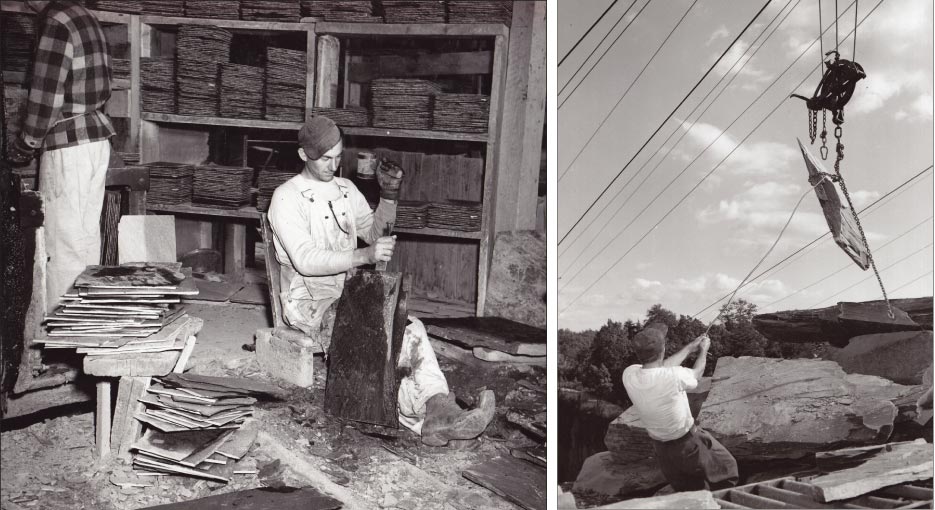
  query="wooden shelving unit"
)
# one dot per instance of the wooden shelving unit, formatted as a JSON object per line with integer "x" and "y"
{"x": 184, "y": 138}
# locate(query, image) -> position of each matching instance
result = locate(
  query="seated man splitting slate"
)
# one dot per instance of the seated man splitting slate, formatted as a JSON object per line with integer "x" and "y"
{"x": 316, "y": 218}
{"x": 689, "y": 457}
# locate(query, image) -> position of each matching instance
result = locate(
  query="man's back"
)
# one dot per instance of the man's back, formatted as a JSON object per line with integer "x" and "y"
{"x": 659, "y": 395}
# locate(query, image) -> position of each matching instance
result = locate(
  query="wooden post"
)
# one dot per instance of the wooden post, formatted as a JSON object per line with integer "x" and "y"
{"x": 135, "y": 53}
{"x": 235, "y": 242}
{"x": 311, "y": 45}
{"x": 102, "y": 419}
{"x": 329, "y": 54}
{"x": 523, "y": 119}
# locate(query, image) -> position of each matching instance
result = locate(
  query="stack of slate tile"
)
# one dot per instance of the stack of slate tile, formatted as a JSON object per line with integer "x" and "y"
{"x": 120, "y": 68}
{"x": 480, "y": 11}
{"x": 169, "y": 183}
{"x": 17, "y": 35}
{"x": 414, "y": 11}
{"x": 270, "y": 10}
{"x": 455, "y": 215}
{"x": 285, "y": 84}
{"x": 315, "y": 8}
{"x": 347, "y": 11}
{"x": 198, "y": 424}
{"x": 213, "y": 9}
{"x": 221, "y": 187}
{"x": 127, "y": 6}
{"x": 164, "y": 7}
{"x": 350, "y": 116}
{"x": 412, "y": 214}
{"x": 461, "y": 112}
{"x": 241, "y": 91}
{"x": 158, "y": 84}
{"x": 402, "y": 103}
{"x": 267, "y": 182}
{"x": 200, "y": 49}
{"x": 110, "y": 303}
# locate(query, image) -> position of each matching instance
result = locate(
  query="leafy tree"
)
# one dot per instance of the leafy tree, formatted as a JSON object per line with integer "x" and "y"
{"x": 659, "y": 314}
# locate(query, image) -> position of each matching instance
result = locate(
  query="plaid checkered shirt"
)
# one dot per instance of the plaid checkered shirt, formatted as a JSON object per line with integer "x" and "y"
{"x": 70, "y": 81}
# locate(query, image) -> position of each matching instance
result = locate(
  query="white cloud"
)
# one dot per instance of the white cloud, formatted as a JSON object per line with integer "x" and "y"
{"x": 647, "y": 284}
{"x": 751, "y": 158}
{"x": 720, "y": 33}
{"x": 923, "y": 106}
{"x": 900, "y": 27}
{"x": 862, "y": 198}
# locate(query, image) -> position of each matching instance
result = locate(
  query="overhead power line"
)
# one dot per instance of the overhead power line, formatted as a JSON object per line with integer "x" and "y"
{"x": 842, "y": 291}
{"x": 908, "y": 182}
{"x": 629, "y": 87}
{"x": 690, "y": 92}
{"x": 585, "y": 61}
{"x": 733, "y": 75}
{"x": 910, "y": 282}
{"x": 588, "y": 31}
{"x": 846, "y": 265}
{"x": 697, "y": 185}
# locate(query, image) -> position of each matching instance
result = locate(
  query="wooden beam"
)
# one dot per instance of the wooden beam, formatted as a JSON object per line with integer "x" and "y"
{"x": 410, "y": 29}
{"x": 136, "y": 41}
{"x": 126, "y": 429}
{"x": 329, "y": 58}
{"x": 754, "y": 501}
{"x": 366, "y": 68}
{"x": 235, "y": 249}
{"x": 909, "y": 492}
{"x": 102, "y": 419}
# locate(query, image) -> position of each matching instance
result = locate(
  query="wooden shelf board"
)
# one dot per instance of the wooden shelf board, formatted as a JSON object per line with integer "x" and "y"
{"x": 219, "y": 121}
{"x": 415, "y": 133}
{"x": 248, "y": 212}
{"x": 409, "y": 29}
{"x": 438, "y": 232}
{"x": 232, "y": 24}
{"x": 120, "y": 18}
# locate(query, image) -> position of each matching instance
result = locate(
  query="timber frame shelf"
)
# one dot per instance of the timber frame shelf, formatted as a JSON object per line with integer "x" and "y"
{"x": 184, "y": 138}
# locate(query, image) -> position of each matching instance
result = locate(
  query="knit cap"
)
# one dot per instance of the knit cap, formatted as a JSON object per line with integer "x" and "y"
{"x": 318, "y": 136}
{"x": 649, "y": 342}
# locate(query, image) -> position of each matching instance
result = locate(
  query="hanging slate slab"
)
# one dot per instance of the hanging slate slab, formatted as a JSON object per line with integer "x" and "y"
{"x": 839, "y": 216}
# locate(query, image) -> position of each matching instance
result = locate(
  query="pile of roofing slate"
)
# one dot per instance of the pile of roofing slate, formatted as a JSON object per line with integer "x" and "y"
{"x": 108, "y": 303}
{"x": 285, "y": 84}
{"x": 200, "y": 424}
{"x": 158, "y": 84}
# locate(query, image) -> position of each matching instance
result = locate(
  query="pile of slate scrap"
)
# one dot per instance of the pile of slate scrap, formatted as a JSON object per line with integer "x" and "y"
{"x": 110, "y": 302}
{"x": 199, "y": 424}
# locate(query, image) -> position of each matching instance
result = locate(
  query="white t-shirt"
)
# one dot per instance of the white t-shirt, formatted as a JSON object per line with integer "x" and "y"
{"x": 659, "y": 395}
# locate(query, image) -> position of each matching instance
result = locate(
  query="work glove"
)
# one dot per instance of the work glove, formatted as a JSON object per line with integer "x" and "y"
{"x": 19, "y": 153}
{"x": 390, "y": 177}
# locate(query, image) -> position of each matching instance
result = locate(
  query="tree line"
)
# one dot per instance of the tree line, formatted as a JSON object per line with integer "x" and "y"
{"x": 593, "y": 361}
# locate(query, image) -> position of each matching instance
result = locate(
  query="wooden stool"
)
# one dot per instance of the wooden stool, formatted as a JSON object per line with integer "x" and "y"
{"x": 135, "y": 372}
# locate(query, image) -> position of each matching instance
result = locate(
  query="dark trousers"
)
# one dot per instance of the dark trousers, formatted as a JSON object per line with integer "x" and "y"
{"x": 696, "y": 461}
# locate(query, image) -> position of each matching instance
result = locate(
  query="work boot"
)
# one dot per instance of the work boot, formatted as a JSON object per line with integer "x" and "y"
{"x": 445, "y": 420}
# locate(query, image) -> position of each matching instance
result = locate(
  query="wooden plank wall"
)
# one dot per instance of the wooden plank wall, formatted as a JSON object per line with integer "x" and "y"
{"x": 440, "y": 269}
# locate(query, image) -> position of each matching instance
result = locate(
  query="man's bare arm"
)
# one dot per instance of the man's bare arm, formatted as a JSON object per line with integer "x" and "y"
{"x": 702, "y": 359}
{"x": 678, "y": 358}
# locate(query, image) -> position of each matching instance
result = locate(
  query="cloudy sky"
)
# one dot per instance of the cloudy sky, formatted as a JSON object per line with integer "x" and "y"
{"x": 745, "y": 165}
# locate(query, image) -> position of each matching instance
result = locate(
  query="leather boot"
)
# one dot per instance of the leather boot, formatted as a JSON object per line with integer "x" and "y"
{"x": 445, "y": 420}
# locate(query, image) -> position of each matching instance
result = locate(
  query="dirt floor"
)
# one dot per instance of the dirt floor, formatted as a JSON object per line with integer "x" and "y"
{"x": 50, "y": 464}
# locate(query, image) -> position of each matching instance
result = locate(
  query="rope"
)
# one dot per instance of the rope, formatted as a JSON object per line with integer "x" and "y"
{"x": 854, "y": 52}
{"x": 821, "y": 39}
{"x": 836, "y": 25}
{"x": 770, "y": 250}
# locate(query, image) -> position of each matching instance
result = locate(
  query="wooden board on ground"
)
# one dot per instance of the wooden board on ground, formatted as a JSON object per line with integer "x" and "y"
{"x": 216, "y": 291}
{"x": 266, "y": 498}
{"x": 146, "y": 237}
{"x": 896, "y": 463}
{"x": 252, "y": 294}
{"x": 126, "y": 428}
{"x": 491, "y": 332}
{"x": 362, "y": 381}
{"x": 516, "y": 481}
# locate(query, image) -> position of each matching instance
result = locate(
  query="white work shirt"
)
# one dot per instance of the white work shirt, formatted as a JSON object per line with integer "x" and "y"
{"x": 659, "y": 395}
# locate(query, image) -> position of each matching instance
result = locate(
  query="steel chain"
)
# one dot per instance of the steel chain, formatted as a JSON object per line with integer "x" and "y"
{"x": 812, "y": 125}
{"x": 837, "y": 170}
{"x": 824, "y": 134}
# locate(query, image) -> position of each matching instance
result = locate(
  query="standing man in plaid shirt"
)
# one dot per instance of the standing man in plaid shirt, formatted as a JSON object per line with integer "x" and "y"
{"x": 66, "y": 128}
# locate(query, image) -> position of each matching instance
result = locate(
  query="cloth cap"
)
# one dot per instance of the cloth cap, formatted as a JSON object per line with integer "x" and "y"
{"x": 650, "y": 342}
{"x": 318, "y": 136}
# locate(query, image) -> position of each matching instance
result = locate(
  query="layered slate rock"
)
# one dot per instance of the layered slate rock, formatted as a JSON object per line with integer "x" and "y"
{"x": 766, "y": 408}
{"x": 899, "y": 357}
{"x": 516, "y": 287}
{"x": 892, "y": 464}
{"x": 604, "y": 474}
